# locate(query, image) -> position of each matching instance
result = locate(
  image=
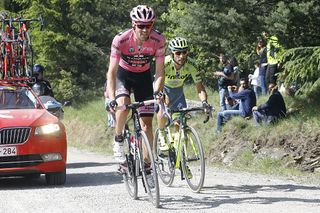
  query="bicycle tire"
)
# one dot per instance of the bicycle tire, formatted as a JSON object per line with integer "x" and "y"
{"x": 27, "y": 55}
{"x": 153, "y": 192}
{"x": 165, "y": 164}
{"x": 16, "y": 59}
{"x": 192, "y": 158}
{"x": 128, "y": 174}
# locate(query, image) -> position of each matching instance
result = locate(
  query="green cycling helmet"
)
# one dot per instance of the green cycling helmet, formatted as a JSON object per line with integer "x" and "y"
{"x": 178, "y": 44}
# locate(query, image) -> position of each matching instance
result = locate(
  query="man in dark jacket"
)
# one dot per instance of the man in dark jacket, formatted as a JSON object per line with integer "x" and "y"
{"x": 272, "y": 110}
{"x": 247, "y": 99}
{"x": 226, "y": 77}
{"x": 41, "y": 86}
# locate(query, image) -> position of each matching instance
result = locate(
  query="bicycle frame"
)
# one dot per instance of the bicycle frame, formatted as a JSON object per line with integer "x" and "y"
{"x": 136, "y": 131}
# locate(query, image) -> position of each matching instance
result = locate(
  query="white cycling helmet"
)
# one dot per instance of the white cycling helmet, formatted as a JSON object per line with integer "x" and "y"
{"x": 178, "y": 44}
{"x": 142, "y": 13}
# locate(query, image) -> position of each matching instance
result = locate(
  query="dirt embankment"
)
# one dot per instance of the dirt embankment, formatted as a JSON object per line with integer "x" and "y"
{"x": 301, "y": 146}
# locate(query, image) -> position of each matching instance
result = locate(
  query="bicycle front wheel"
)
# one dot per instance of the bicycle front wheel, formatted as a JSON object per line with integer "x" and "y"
{"x": 192, "y": 159}
{"x": 128, "y": 170}
{"x": 165, "y": 161}
{"x": 148, "y": 170}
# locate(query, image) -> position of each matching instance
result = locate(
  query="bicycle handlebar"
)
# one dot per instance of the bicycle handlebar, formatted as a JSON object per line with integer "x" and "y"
{"x": 136, "y": 105}
{"x": 166, "y": 111}
{"x": 187, "y": 110}
{"x": 20, "y": 19}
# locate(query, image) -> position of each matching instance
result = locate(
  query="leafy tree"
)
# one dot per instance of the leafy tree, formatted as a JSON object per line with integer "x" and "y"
{"x": 78, "y": 35}
{"x": 233, "y": 27}
{"x": 302, "y": 67}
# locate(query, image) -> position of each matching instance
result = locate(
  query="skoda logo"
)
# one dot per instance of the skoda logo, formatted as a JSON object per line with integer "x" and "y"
{"x": 131, "y": 49}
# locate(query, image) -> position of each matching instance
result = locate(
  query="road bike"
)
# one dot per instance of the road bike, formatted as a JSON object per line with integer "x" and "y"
{"x": 185, "y": 151}
{"x": 139, "y": 157}
{"x": 16, "y": 48}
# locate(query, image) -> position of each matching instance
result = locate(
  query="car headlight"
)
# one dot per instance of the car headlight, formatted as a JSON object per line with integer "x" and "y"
{"x": 47, "y": 129}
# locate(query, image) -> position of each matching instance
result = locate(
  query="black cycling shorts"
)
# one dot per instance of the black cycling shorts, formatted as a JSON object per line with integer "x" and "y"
{"x": 138, "y": 83}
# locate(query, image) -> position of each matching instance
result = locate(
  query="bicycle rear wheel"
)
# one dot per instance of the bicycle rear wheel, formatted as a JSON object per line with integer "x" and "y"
{"x": 148, "y": 170}
{"x": 192, "y": 160}
{"x": 128, "y": 171}
{"x": 165, "y": 161}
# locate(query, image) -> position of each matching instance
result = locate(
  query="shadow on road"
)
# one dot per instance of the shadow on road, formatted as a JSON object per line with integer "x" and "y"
{"x": 87, "y": 164}
{"x": 259, "y": 188}
{"x": 93, "y": 179}
{"x": 74, "y": 178}
{"x": 213, "y": 197}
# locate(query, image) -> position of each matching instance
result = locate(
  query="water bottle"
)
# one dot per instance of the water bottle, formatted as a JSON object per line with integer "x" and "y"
{"x": 132, "y": 148}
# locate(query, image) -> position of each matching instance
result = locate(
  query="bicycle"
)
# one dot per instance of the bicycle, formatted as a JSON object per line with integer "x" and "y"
{"x": 184, "y": 152}
{"x": 25, "y": 39}
{"x": 16, "y": 49}
{"x": 139, "y": 157}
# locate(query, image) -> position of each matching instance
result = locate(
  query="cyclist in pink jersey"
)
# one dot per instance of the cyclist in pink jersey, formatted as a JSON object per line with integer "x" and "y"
{"x": 129, "y": 70}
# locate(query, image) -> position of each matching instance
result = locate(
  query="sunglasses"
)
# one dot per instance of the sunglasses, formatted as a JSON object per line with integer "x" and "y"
{"x": 181, "y": 52}
{"x": 142, "y": 26}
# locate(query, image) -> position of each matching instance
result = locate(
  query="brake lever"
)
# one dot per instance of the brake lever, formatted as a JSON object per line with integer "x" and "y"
{"x": 209, "y": 114}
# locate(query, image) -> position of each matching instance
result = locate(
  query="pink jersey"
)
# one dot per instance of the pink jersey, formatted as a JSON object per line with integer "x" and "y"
{"x": 125, "y": 51}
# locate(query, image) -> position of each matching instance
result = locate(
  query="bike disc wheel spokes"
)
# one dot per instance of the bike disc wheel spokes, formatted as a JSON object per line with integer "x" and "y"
{"x": 148, "y": 170}
{"x": 128, "y": 171}
{"x": 193, "y": 162}
{"x": 165, "y": 161}
{"x": 130, "y": 180}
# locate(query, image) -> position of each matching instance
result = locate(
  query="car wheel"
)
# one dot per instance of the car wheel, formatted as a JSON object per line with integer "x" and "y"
{"x": 56, "y": 178}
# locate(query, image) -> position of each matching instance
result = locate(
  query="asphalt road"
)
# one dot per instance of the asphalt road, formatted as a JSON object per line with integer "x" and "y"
{"x": 93, "y": 185}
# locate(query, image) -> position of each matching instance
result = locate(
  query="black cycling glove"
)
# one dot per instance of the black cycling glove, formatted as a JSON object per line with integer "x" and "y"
{"x": 112, "y": 105}
{"x": 205, "y": 105}
{"x": 157, "y": 95}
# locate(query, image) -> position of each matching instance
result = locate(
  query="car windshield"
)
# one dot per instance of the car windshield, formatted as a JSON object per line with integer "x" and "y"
{"x": 12, "y": 97}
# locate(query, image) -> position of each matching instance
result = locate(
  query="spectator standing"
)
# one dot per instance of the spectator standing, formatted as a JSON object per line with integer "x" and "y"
{"x": 234, "y": 63}
{"x": 254, "y": 79}
{"x": 274, "y": 51}
{"x": 263, "y": 62}
{"x": 226, "y": 77}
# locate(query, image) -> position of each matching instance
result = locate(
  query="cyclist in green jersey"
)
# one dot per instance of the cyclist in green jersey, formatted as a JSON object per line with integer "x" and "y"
{"x": 178, "y": 67}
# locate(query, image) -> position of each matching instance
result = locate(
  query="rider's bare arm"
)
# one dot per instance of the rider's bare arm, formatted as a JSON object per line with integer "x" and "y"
{"x": 159, "y": 77}
{"x": 111, "y": 76}
{"x": 201, "y": 91}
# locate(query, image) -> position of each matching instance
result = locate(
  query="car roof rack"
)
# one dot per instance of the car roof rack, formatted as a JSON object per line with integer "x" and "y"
{"x": 17, "y": 81}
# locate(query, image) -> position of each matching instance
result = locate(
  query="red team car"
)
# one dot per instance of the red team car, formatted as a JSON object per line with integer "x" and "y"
{"x": 32, "y": 140}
